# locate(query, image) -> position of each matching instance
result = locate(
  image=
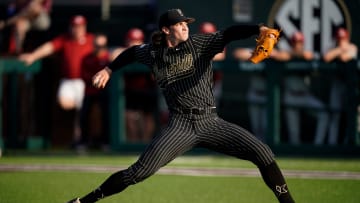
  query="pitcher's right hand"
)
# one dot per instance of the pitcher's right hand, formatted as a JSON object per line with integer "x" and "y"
{"x": 101, "y": 78}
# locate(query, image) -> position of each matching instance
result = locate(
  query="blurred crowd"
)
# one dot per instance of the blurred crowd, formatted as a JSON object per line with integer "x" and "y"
{"x": 83, "y": 53}
{"x": 78, "y": 55}
{"x": 297, "y": 95}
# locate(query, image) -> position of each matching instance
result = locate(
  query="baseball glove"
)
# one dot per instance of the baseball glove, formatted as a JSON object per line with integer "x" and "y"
{"x": 265, "y": 44}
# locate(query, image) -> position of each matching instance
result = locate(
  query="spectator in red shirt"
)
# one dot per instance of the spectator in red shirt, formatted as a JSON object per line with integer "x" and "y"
{"x": 94, "y": 97}
{"x": 74, "y": 46}
{"x": 26, "y": 15}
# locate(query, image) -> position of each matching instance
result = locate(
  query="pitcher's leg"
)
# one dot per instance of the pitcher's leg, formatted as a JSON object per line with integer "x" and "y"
{"x": 163, "y": 149}
{"x": 274, "y": 179}
{"x": 228, "y": 138}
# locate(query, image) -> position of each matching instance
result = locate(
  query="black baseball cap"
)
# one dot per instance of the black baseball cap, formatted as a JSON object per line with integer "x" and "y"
{"x": 173, "y": 16}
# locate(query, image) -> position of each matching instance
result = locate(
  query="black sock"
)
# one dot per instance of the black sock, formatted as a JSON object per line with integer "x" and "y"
{"x": 276, "y": 182}
{"x": 112, "y": 185}
{"x": 93, "y": 196}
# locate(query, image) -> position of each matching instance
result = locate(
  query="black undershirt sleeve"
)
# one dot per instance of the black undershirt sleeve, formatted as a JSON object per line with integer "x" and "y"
{"x": 123, "y": 59}
{"x": 238, "y": 32}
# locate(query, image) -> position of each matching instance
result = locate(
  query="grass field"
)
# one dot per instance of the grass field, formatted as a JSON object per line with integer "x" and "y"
{"x": 37, "y": 186}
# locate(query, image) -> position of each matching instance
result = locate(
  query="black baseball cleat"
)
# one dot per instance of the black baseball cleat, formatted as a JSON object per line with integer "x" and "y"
{"x": 76, "y": 200}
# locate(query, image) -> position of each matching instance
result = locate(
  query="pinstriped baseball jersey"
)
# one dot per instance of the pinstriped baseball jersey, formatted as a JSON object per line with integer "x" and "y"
{"x": 184, "y": 73}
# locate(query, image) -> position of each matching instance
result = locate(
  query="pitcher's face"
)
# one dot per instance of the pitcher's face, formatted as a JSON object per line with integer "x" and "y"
{"x": 179, "y": 32}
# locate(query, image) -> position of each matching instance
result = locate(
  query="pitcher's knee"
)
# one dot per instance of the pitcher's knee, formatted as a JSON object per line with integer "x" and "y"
{"x": 262, "y": 155}
{"x": 137, "y": 173}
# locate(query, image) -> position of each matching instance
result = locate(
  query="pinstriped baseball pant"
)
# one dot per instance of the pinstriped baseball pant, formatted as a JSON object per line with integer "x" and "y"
{"x": 186, "y": 131}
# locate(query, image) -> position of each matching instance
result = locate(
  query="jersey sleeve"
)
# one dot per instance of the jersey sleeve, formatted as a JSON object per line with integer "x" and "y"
{"x": 137, "y": 53}
{"x": 238, "y": 32}
{"x": 143, "y": 54}
{"x": 209, "y": 44}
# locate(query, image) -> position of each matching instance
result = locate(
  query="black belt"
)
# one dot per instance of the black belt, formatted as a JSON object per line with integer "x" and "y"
{"x": 197, "y": 111}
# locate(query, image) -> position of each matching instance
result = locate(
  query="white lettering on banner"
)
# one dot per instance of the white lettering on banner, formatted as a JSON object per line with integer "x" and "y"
{"x": 310, "y": 23}
{"x": 331, "y": 15}
{"x": 317, "y": 19}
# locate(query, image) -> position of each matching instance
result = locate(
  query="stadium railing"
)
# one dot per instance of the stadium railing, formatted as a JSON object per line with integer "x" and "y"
{"x": 12, "y": 67}
{"x": 272, "y": 70}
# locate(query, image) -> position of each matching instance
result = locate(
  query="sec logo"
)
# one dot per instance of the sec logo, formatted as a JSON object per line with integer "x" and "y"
{"x": 317, "y": 19}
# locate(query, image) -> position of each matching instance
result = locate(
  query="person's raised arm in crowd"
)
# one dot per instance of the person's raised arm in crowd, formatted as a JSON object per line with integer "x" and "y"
{"x": 44, "y": 50}
{"x": 26, "y": 15}
{"x": 344, "y": 50}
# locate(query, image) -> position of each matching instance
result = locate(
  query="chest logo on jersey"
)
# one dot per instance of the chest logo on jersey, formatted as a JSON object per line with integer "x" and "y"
{"x": 174, "y": 68}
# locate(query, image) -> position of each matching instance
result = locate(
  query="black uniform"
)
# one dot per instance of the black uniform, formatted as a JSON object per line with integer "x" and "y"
{"x": 184, "y": 73}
